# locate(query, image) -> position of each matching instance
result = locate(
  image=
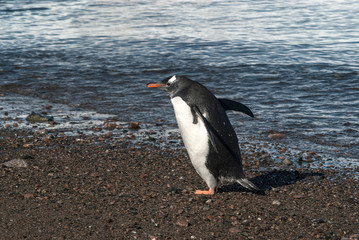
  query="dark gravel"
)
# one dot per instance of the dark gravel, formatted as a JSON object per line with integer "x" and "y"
{"x": 102, "y": 188}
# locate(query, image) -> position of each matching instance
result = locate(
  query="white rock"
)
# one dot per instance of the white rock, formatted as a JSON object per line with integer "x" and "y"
{"x": 16, "y": 163}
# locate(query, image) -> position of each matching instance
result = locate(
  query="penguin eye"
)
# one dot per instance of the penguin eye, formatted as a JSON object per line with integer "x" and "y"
{"x": 168, "y": 83}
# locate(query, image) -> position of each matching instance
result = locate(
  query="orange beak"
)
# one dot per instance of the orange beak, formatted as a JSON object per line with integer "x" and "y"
{"x": 154, "y": 85}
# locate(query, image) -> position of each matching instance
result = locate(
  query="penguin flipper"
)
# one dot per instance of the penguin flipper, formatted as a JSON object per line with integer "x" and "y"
{"x": 236, "y": 106}
{"x": 207, "y": 125}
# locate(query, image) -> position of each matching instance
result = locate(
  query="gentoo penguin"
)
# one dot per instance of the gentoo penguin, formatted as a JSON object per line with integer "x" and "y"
{"x": 208, "y": 136}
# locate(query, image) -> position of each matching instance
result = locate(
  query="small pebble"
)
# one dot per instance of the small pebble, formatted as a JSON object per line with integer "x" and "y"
{"x": 110, "y": 125}
{"x": 234, "y": 230}
{"x": 134, "y": 125}
{"x": 108, "y": 134}
{"x": 287, "y": 162}
{"x": 318, "y": 221}
{"x": 94, "y": 175}
{"x": 276, "y": 136}
{"x": 28, "y": 195}
{"x": 298, "y": 196}
{"x": 182, "y": 222}
{"x": 40, "y": 132}
{"x": 354, "y": 237}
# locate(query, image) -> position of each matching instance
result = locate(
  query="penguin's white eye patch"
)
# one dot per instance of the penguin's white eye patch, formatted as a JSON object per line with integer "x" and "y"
{"x": 172, "y": 79}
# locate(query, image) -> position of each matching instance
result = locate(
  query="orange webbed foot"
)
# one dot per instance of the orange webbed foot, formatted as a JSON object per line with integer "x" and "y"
{"x": 208, "y": 192}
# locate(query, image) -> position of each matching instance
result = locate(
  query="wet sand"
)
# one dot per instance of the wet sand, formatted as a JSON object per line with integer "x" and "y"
{"x": 104, "y": 188}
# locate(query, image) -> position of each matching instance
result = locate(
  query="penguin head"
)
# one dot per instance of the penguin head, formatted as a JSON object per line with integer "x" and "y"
{"x": 171, "y": 84}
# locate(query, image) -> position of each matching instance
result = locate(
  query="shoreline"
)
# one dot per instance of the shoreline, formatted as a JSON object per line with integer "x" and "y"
{"x": 96, "y": 187}
{"x": 273, "y": 148}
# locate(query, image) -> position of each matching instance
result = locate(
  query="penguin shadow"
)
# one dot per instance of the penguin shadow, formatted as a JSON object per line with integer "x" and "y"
{"x": 269, "y": 180}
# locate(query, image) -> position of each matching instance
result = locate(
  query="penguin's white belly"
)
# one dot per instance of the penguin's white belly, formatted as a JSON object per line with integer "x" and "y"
{"x": 195, "y": 138}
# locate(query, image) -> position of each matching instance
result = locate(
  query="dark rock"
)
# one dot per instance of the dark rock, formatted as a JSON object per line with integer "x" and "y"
{"x": 347, "y": 124}
{"x": 109, "y": 220}
{"x": 37, "y": 117}
{"x": 319, "y": 220}
{"x": 134, "y": 125}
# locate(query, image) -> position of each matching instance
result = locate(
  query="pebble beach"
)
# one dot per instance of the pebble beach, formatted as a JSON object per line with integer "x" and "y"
{"x": 55, "y": 186}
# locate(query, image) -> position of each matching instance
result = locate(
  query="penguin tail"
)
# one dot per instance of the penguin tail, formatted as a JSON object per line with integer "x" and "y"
{"x": 244, "y": 182}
